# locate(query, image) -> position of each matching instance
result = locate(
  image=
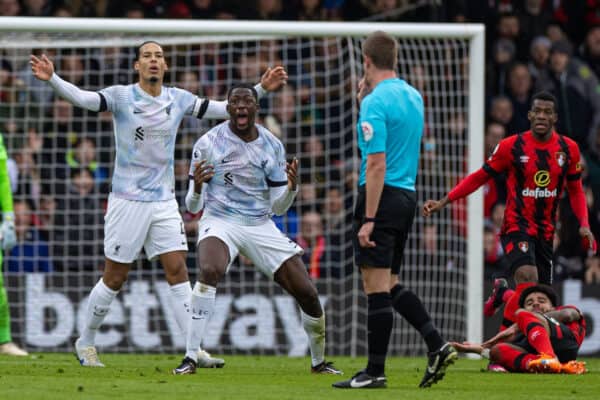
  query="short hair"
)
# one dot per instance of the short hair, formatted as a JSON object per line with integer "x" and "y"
{"x": 139, "y": 48}
{"x": 243, "y": 86}
{"x": 540, "y": 288}
{"x": 545, "y": 96}
{"x": 382, "y": 49}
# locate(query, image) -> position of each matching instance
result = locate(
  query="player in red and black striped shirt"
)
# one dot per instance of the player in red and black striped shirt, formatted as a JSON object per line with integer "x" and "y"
{"x": 545, "y": 338}
{"x": 539, "y": 164}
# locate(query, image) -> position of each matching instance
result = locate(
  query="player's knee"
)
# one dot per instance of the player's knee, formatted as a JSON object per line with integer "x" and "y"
{"x": 176, "y": 272}
{"x": 114, "y": 281}
{"x": 210, "y": 274}
{"x": 496, "y": 354}
{"x": 526, "y": 273}
{"x": 309, "y": 302}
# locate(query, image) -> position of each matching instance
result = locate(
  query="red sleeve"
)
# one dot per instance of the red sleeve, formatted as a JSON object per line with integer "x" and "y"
{"x": 468, "y": 185}
{"x": 498, "y": 162}
{"x": 575, "y": 188}
{"x": 578, "y": 202}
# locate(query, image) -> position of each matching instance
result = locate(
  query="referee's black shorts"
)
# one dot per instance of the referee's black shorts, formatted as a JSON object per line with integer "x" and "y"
{"x": 394, "y": 220}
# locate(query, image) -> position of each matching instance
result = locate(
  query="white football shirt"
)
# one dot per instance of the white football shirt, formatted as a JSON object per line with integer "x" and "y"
{"x": 145, "y": 128}
{"x": 244, "y": 172}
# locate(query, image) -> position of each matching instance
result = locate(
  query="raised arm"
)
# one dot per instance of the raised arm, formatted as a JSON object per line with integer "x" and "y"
{"x": 194, "y": 199}
{"x": 43, "y": 69}
{"x": 273, "y": 79}
{"x": 282, "y": 197}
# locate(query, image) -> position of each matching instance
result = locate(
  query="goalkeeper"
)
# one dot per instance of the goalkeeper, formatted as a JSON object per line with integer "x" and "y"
{"x": 9, "y": 240}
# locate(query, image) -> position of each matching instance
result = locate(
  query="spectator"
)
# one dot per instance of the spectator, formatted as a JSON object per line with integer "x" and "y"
{"x": 32, "y": 253}
{"x": 317, "y": 256}
{"x": 577, "y": 91}
{"x": 539, "y": 54}
{"x": 79, "y": 224}
{"x": 497, "y": 70}
{"x": 83, "y": 155}
{"x": 519, "y": 92}
{"x": 203, "y": 9}
{"x": 9, "y": 8}
{"x": 590, "y": 51}
{"x": 501, "y": 111}
{"x": 309, "y": 10}
{"x": 37, "y": 8}
{"x": 533, "y": 19}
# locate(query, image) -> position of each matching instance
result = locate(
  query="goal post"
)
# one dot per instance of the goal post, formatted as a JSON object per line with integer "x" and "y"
{"x": 316, "y": 120}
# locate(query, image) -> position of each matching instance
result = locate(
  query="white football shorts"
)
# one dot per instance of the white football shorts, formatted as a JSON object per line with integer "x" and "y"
{"x": 130, "y": 225}
{"x": 265, "y": 245}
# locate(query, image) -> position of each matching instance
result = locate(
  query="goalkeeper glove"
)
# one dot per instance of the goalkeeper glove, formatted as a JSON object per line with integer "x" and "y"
{"x": 9, "y": 236}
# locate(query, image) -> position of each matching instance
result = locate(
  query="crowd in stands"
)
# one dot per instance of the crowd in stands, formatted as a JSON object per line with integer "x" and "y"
{"x": 531, "y": 45}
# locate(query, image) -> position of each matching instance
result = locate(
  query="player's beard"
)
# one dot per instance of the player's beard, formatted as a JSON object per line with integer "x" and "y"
{"x": 153, "y": 79}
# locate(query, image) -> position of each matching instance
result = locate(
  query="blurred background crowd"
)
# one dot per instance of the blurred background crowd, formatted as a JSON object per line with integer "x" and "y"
{"x": 61, "y": 177}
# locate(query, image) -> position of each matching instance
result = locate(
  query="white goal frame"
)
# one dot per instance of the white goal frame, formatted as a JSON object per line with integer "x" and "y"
{"x": 475, "y": 33}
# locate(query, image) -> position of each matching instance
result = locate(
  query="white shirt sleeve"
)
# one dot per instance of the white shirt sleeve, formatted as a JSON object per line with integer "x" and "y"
{"x": 81, "y": 98}
{"x": 194, "y": 202}
{"x": 281, "y": 199}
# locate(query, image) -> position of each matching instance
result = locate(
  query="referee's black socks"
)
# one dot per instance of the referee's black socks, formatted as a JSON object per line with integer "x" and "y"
{"x": 408, "y": 304}
{"x": 379, "y": 326}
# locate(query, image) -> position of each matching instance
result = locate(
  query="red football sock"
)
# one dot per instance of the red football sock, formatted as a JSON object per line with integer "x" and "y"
{"x": 537, "y": 335}
{"x": 513, "y": 359}
{"x": 512, "y": 304}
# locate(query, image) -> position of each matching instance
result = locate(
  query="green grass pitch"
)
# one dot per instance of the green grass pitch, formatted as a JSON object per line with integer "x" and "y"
{"x": 59, "y": 376}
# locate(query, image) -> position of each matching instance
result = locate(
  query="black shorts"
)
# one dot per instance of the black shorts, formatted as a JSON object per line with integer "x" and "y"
{"x": 394, "y": 220}
{"x": 521, "y": 249}
{"x": 562, "y": 339}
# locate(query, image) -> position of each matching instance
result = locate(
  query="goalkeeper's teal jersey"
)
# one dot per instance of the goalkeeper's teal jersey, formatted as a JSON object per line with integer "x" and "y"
{"x": 391, "y": 122}
{"x": 6, "y": 200}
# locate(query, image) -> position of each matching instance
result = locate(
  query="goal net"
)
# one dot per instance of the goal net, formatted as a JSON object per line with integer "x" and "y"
{"x": 60, "y": 208}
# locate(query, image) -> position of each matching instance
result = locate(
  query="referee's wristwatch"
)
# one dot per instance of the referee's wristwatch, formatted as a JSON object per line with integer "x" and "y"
{"x": 368, "y": 219}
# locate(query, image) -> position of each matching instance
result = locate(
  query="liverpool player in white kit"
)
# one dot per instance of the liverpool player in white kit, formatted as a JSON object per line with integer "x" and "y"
{"x": 142, "y": 210}
{"x": 239, "y": 176}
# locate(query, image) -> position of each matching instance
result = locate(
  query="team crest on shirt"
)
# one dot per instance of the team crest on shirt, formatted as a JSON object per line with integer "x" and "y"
{"x": 524, "y": 246}
{"x": 367, "y": 130}
{"x": 561, "y": 158}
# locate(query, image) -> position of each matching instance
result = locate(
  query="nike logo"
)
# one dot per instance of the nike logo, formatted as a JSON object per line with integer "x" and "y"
{"x": 197, "y": 317}
{"x": 225, "y": 161}
{"x": 431, "y": 369}
{"x": 356, "y": 384}
{"x": 137, "y": 111}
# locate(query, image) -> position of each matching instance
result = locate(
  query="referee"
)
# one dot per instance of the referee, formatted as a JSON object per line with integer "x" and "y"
{"x": 389, "y": 130}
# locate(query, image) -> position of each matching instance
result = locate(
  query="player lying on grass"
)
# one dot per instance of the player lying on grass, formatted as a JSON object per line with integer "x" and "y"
{"x": 239, "y": 177}
{"x": 545, "y": 338}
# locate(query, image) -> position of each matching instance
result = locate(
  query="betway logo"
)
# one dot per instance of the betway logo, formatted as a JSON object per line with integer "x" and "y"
{"x": 538, "y": 193}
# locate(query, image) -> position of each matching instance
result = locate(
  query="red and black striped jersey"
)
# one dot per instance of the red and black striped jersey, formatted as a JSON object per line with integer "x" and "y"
{"x": 536, "y": 175}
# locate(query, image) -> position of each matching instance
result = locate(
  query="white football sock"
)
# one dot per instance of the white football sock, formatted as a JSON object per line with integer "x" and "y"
{"x": 315, "y": 329}
{"x": 181, "y": 295}
{"x": 202, "y": 307}
{"x": 97, "y": 308}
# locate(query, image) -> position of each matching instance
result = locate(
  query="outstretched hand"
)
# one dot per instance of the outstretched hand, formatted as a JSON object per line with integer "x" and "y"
{"x": 291, "y": 169}
{"x": 433, "y": 206}
{"x": 274, "y": 78}
{"x": 42, "y": 67}
{"x": 589, "y": 243}
{"x": 468, "y": 347}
